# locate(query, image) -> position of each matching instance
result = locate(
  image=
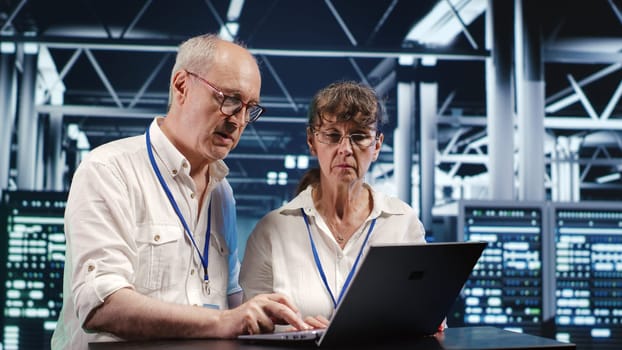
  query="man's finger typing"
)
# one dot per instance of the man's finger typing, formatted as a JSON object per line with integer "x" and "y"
{"x": 267, "y": 310}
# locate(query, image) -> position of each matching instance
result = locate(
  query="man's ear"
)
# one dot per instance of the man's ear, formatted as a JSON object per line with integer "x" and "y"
{"x": 180, "y": 85}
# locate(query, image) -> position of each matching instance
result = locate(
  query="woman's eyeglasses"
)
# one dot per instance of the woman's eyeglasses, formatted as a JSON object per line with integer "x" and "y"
{"x": 231, "y": 105}
{"x": 334, "y": 138}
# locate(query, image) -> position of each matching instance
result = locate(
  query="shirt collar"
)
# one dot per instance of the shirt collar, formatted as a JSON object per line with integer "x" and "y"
{"x": 174, "y": 161}
{"x": 382, "y": 203}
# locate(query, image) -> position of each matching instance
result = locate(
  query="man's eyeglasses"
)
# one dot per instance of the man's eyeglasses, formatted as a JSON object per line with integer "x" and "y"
{"x": 231, "y": 105}
{"x": 334, "y": 138}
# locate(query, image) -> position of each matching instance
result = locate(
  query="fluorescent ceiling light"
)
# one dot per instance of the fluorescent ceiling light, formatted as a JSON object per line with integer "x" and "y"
{"x": 303, "y": 162}
{"x": 31, "y": 48}
{"x": 440, "y": 26}
{"x": 282, "y": 178}
{"x": 428, "y": 61}
{"x": 229, "y": 31}
{"x": 7, "y": 47}
{"x": 406, "y": 60}
{"x": 235, "y": 8}
{"x": 271, "y": 178}
{"x": 290, "y": 161}
{"x": 608, "y": 178}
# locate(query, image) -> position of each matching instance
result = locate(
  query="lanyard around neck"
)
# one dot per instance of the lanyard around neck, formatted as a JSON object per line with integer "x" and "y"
{"x": 205, "y": 254}
{"x": 318, "y": 263}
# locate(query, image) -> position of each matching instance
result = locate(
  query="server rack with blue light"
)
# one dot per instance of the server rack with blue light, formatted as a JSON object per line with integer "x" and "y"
{"x": 510, "y": 283}
{"x": 588, "y": 271}
{"x": 32, "y": 257}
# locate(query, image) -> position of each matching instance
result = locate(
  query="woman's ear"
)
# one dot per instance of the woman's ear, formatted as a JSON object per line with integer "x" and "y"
{"x": 377, "y": 146}
{"x": 310, "y": 142}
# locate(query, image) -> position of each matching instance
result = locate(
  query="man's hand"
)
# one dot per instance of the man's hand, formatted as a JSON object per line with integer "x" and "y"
{"x": 317, "y": 321}
{"x": 260, "y": 314}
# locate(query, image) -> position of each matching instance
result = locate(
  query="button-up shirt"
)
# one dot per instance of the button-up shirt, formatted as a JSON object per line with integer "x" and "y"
{"x": 122, "y": 232}
{"x": 278, "y": 255}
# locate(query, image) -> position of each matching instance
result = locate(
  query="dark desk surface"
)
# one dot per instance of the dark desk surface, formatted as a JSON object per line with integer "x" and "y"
{"x": 462, "y": 338}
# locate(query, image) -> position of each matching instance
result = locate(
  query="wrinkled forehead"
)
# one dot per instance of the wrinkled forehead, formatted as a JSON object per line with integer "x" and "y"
{"x": 358, "y": 120}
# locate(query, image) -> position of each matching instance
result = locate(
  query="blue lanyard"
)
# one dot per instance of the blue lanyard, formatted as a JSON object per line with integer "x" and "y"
{"x": 205, "y": 254}
{"x": 318, "y": 263}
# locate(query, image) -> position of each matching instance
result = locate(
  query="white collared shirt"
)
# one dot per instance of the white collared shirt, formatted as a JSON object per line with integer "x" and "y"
{"x": 278, "y": 255}
{"x": 122, "y": 232}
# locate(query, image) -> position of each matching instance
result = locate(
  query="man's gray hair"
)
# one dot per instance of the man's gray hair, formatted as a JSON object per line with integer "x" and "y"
{"x": 194, "y": 55}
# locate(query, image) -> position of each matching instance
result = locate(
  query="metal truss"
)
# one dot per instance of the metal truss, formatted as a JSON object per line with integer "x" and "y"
{"x": 591, "y": 141}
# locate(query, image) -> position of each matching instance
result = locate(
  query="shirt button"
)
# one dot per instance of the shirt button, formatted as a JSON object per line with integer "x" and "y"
{"x": 192, "y": 195}
{"x": 91, "y": 268}
{"x": 184, "y": 164}
{"x": 339, "y": 256}
{"x": 174, "y": 171}
{"x": 191, "y": 272}
{"x": 156, "y": 238}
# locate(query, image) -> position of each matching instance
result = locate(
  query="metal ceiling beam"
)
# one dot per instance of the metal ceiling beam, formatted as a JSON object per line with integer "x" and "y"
{"x": 98, "y": 111}
{"x": 558, "y": 122}
{"x": 149, "y": 80}
{"x": 615, "y": 10}
{"x": 341, "y": 22}
{"x": 569, "y": 56}
{"x": 72, "y": 60}
{"x": 280, "y": 83}
{"x": 259, "y": 138}
{"x": 255, "y": 180}
{"x": 585, "y": 102}
{"x": 382, "y": 69}
{"x": 566, "y": 123}
{"x": 104, "y": 79}
{"x": 483, "y": 160}
{"x": 264, "y": 156}
{"x": 566, "y": 97}
{"x": 381, "y": 22}
{"x": 11, "y": 17}
{"x": 582, "y": 123}
{"x": 136, "y": 18}
{"x": 140, "y": 113}
{"x": 465, "y": 29}
{"x": 358, "y": 71}
{"x": 613, "y": 102}
{"x": 161, "y": 45}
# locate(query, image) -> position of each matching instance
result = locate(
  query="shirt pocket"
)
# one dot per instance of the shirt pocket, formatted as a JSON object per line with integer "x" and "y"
{"x": 158, "y": 256}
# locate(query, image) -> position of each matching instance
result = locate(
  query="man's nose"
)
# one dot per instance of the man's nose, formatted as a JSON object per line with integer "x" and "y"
{"x": 239, "y": 118}
{"x": 234, "y": 122}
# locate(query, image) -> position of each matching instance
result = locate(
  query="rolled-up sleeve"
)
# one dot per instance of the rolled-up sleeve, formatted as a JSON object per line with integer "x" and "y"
{"x": 99, "y": 242}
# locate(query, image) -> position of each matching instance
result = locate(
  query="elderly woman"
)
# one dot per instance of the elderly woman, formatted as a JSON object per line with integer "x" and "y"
{"x": 310, "y": 247}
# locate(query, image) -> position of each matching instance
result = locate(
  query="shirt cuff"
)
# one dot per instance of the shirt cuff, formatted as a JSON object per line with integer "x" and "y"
{"x": 95, "y": 289}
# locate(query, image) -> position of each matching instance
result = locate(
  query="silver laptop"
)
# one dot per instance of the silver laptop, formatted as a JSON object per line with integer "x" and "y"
{"x": 399, "y": 291}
